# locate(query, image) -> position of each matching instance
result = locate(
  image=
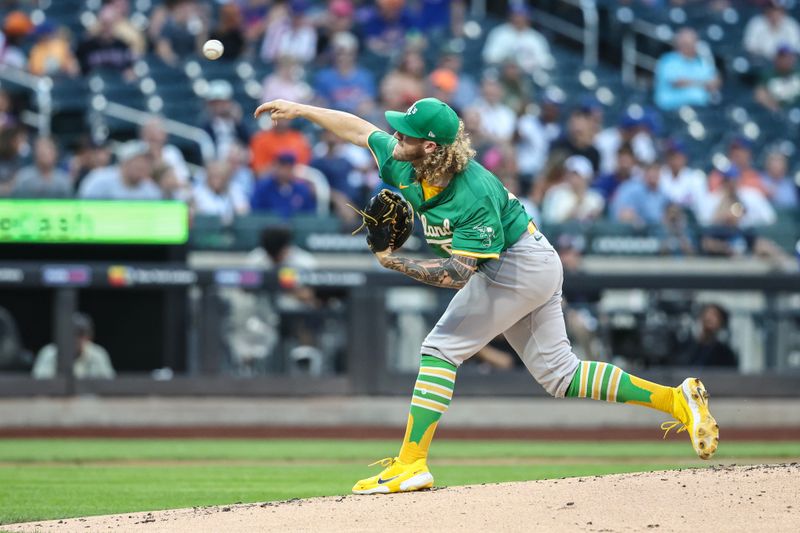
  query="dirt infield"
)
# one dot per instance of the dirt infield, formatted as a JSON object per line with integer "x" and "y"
{"x": 731, "y": 499}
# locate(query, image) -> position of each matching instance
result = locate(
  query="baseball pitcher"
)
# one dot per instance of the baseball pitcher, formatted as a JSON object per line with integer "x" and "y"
{"x": 507, "y": 274}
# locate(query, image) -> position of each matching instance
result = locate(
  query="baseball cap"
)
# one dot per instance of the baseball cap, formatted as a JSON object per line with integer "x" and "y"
{"x": 429, "y": 119}
{"x": 741, "y": 142}
{"x": 219, "y": 90}
{"x": 287, "y": 158}
{"x": 784, "y": 49}
{"x": 17, "y": 23}
{"x": 131, "y": 149}
{"x": 579, "y": 165}
{"x": 731, "y": 173}
{"x": 673, "y": 146}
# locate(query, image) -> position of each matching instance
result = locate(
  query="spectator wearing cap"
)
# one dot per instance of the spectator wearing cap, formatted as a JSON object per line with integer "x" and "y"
{"x": 229, "y": 31}
{"x": 91, "y": 360}
{"x": 781, "y": 189}
{"x": 640, "y": 202}
{"x": 682, "y": 185}
{"x": 129, "y": 180}
{"x": 385, "y": 26}
{"x": 573, "y": 200}
{"x": 779, "y": 86}
{"x": 626, "y": 170}
{"x": 404, "y": 84}
{"x": 224, "y": 118}
{"x": 345, "y": 85}
{"x": 287, "y": 83}
{"x": 154, "y": 135}
{"x": 633, "y": 129}
{"x": 52, "y": 54}
{"x": 740, "y": 153}
{"x": 498, "y": 121}
{"x": 289, "y": 34}
{"x": 535, "y": 133}
{"x": 43, "y": 179}
{"x": 217, "y": 196}
{"x": 766, "y": 33}
{"x": 684, "y": 77}
{"x": 16, "y": 26}
{"x": 517, "y": 86}
{"x": 578, "y": 138}
{"x": 103, "y": 49}
{"x": 283, "y": 193}
{"x": 516, "y": 40}
{"x": 281, "y": 137}
{"x": 89, "y": 154}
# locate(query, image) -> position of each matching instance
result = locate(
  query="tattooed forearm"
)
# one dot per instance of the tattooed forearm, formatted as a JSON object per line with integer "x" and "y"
{"x": 451, "y": 273}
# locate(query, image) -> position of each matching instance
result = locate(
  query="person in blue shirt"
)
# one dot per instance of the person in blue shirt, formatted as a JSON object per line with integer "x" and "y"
{"x": 608, "y": 184}
{"x": 640, "y": 202}
{"x": 345, "y": 85}
{"x": 683, "y": 77}
{"x": 282, "y": 193}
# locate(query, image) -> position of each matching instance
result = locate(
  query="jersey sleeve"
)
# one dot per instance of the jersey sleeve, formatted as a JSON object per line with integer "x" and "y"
{"x": 381, "y": 144}
{"x": 479, "y": 233}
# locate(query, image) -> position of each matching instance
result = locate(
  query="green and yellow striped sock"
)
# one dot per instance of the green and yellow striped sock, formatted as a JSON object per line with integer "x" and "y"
{"x": 432, "y": 394}
{"x": 604, "y": 381}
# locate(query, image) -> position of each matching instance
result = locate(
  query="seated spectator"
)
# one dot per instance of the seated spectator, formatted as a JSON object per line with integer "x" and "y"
{"x": 103, "y": 50}
{"x": 385, "y": 26}
{"x": 126, "y": 31}
{"x": 224, "y": 118}
{"x": 178, "y": 28}
{"x": 516, "y": 40}
{"x": 673, "y": 234}
{"x": 129, "y": 180}
{"x": 217, "y": 196}
{"x": 153, "y": 134}
{"x": 779, "y": 86}
{"x": 13, "y": 141}
{"x": 640, "y": 202}
{"x": 632, "y": 129}
{"x": 43, "y": 179}
{"x": 466, "y": 89}
{"x": 740, "y": 153}
{"x": 287, "y": 83}
{"x": 573, "y": 200}
{"x": 255, "y": 15}
{"x": 709, "y": 348}
{"x": 267, "y": 144}
{"x": 282, "y": 192}
{"x": 498, "y": 121}
{"x": 337, "y": 18}
{"x": 16, "y": 27}
{"x": 517, "y": 86}
{"x": 732, "y": 204}
{"x": 443, "y": 84}
{"x": 91, "y": 360}
{"x": 170, "y": 186}
{"x": 682, "y": 185}
{"x": 626, "y": 170}
{"x": 242, "y": 175}
{"x": 345, "y": 85}
{"x": 578, "y": 138}
{"x": 88, "y": 155}
{"x": 781, "y": 188}
{"x": 52, "y": 54}
{"x": 535, "y": 133}
{"x": 340, "y": 173}
{"x": 765, "y": 33}
{"x": 229, "y": 31}
{"x": 683, "y": 77}
{"x": 405, "y": 84}
{"x": 289, "y": 34}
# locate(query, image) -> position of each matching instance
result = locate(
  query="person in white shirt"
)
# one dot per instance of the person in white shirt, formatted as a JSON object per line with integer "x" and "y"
{"x": 573, "y": 200}
{"x": 632, "y": 129}
{"x": 682, "y": 185}
{"x": 498, "y": 121}
{"x": 765, "y": 33}
{"x": 217, "y": 196}
{"x": 290, "y": 35}
{"x": 518, "y": 41}
{"x": 130, "y": 180}
{"x": 91, "y": 360}
{"x": 535, "y": 133}
{"x": 734, "y": 206}
{"x": 154, "y": 135}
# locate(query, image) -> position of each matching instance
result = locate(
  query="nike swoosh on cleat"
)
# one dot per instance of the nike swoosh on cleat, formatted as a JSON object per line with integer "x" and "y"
{"x": 404, "y": 186}
{"x": 382, "y": 481}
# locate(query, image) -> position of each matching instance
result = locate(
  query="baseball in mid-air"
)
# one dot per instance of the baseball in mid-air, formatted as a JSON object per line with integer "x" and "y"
{"x": 213, "y": 49}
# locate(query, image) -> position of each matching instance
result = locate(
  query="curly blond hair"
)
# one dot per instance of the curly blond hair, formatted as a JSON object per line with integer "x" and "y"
{"x": 446, "y": 160}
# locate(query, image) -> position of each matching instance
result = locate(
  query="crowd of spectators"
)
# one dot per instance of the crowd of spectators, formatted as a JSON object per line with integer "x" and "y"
{"x": 563, "y": 163}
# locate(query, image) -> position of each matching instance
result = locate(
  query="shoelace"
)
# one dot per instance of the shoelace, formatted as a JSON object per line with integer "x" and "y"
{"x": 670, "y": 425}
{"x": 385, "y": 462}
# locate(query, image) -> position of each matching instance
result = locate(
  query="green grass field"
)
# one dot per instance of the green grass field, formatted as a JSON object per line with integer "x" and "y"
{"x": 45, "y": 479}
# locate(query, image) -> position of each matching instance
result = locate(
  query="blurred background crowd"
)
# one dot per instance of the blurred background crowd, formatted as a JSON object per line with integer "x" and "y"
{"x": 573, "y": 155}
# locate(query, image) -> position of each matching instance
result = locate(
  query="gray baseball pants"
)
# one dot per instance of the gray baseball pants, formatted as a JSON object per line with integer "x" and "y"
{"x": 518, "y": 295}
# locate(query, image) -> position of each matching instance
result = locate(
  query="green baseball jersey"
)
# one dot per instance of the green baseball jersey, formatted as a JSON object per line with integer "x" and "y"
{"x": 474, "y": 215}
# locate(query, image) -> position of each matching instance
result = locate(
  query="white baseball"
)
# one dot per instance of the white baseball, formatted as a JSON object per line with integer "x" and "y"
{"x": 213, "y": 49}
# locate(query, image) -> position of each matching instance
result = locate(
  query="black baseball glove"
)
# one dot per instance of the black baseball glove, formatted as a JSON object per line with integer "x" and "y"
{"x": 389, "y": 220}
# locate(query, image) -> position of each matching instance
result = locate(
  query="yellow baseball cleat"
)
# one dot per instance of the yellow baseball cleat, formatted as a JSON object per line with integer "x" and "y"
{"x": 396, "y": 477}
{"x": 690, "y": 407}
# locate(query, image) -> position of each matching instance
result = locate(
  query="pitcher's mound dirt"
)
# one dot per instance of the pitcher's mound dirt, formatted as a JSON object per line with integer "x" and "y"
{"x": 730, "y": 499}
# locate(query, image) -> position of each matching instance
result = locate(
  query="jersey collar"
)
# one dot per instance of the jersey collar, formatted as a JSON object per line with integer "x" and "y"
{"x": 443, "y": 196}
